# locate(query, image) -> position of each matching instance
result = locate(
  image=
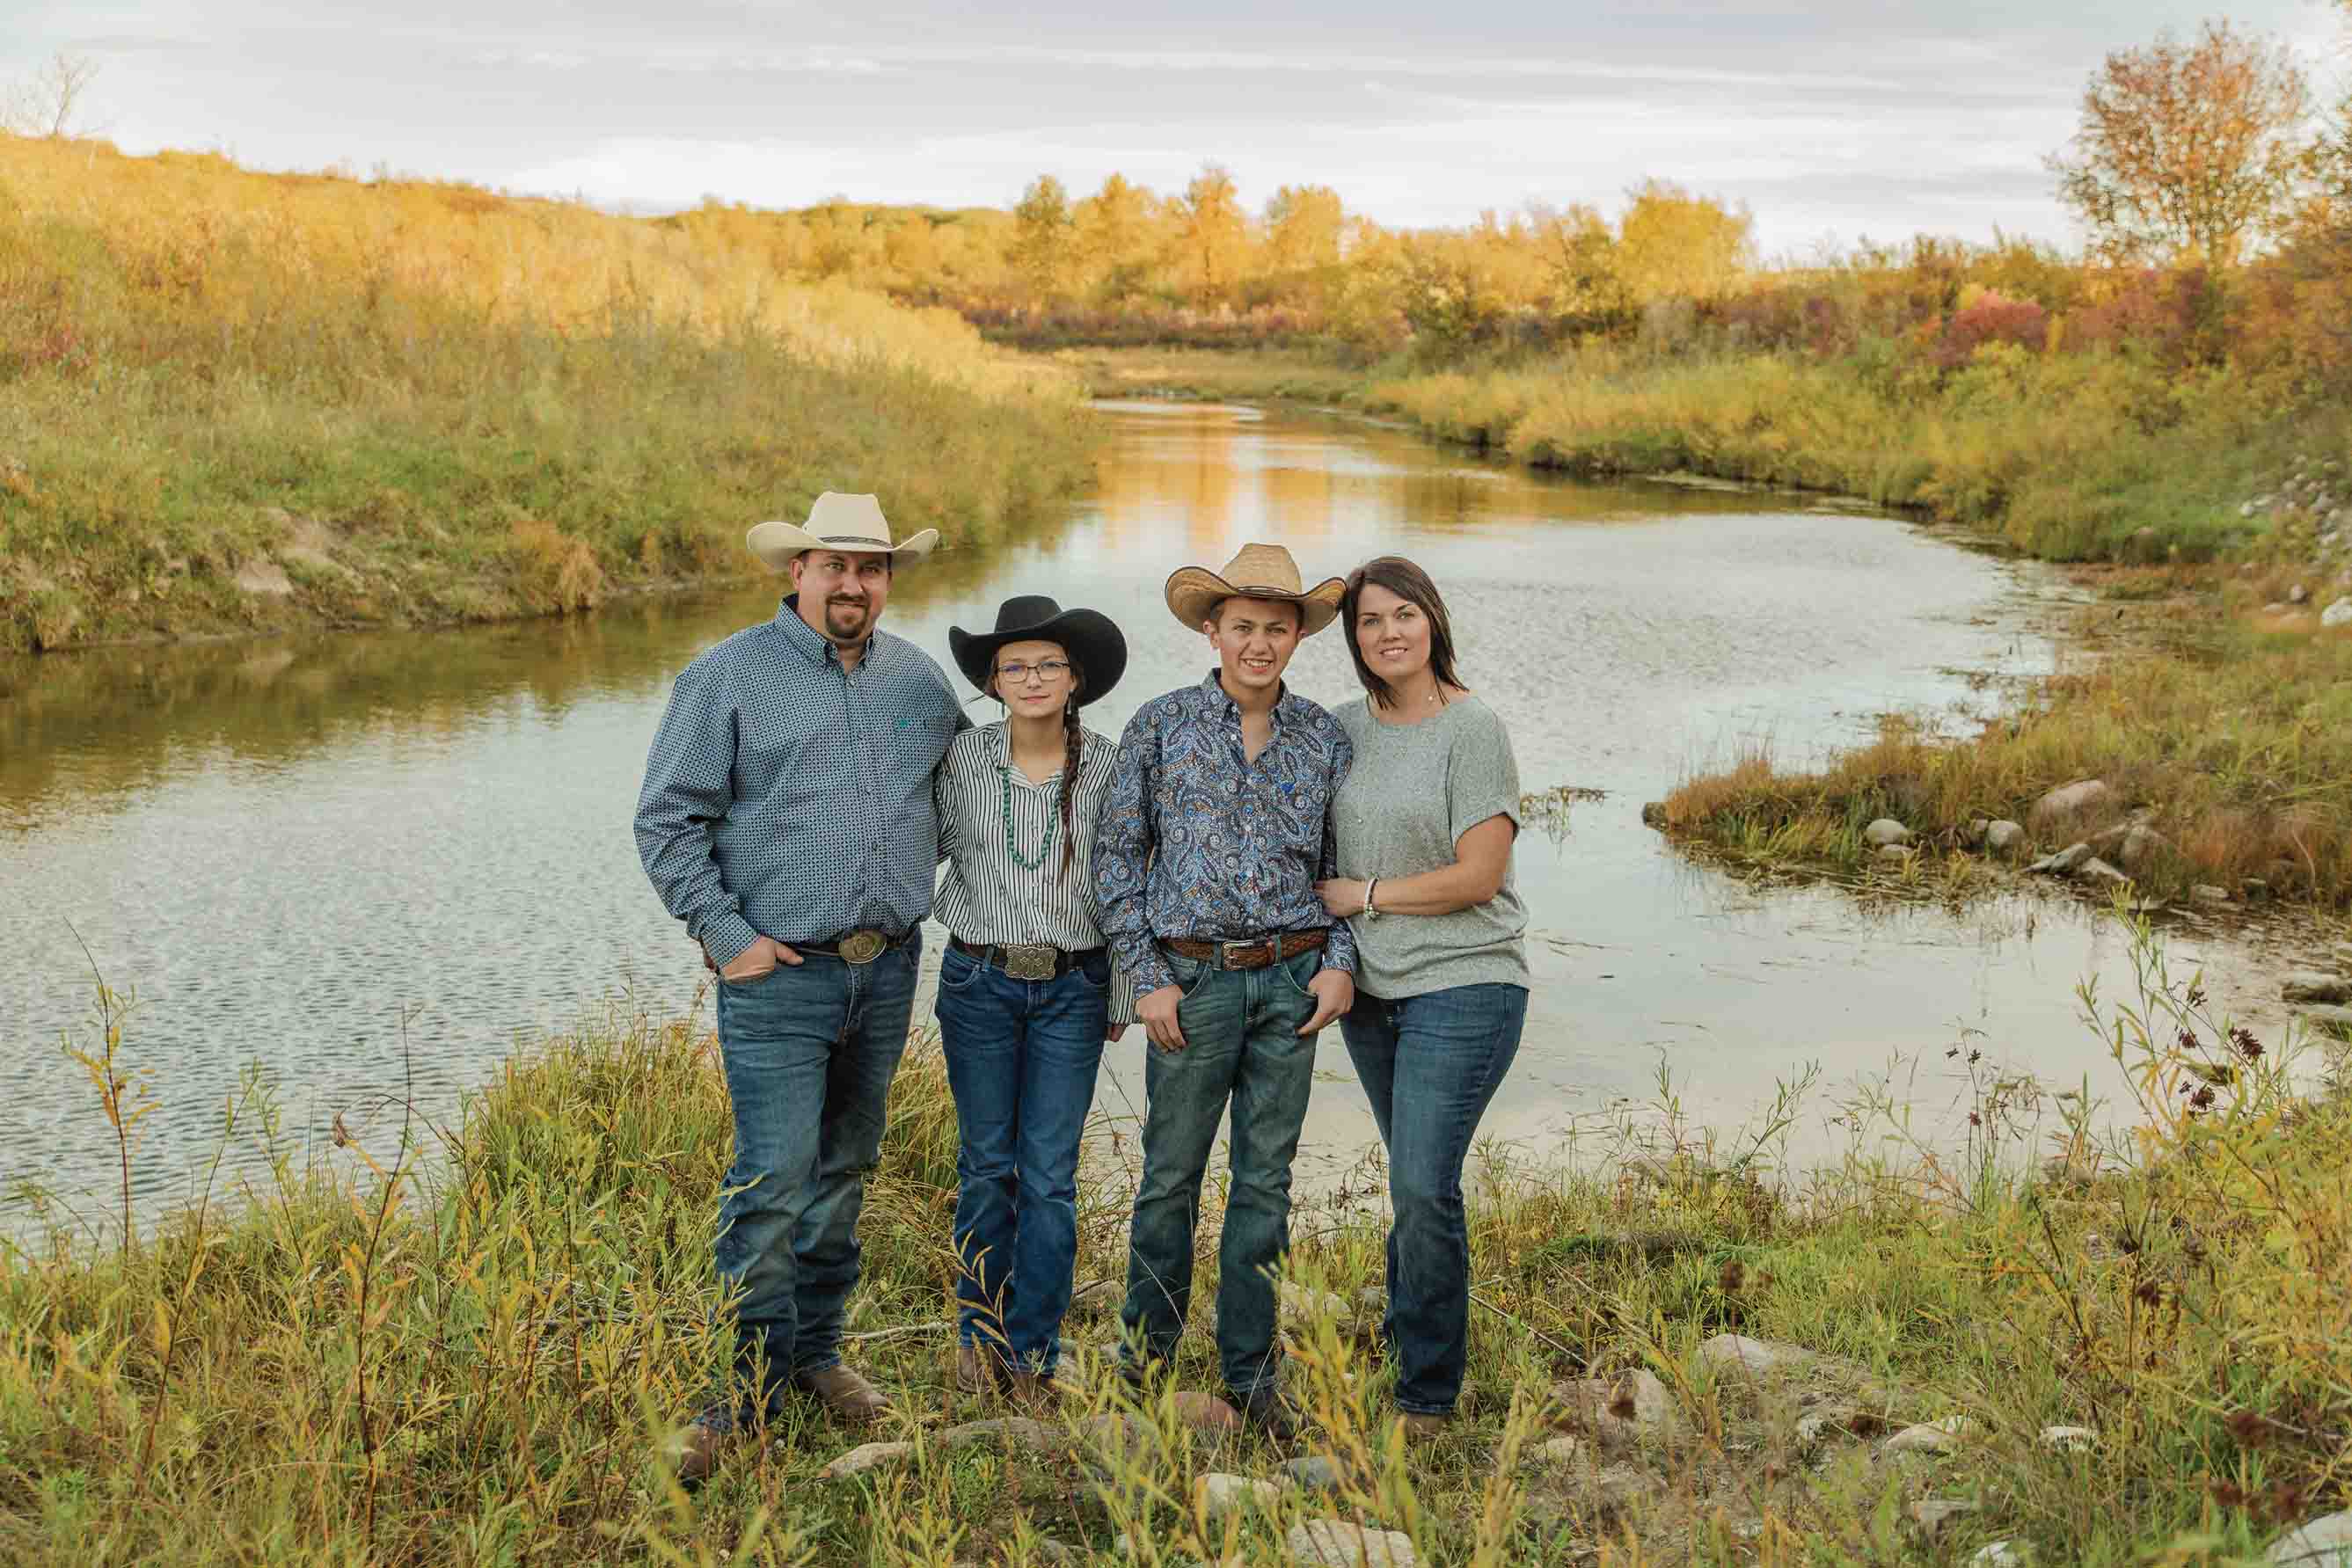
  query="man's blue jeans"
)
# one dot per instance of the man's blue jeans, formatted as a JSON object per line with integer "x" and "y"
{"x": 1430, "y": 1064}
{"x": 809, "y": 1052}
{"x": 1022, "y": 1059}
{"x": 1243, "y": 1045}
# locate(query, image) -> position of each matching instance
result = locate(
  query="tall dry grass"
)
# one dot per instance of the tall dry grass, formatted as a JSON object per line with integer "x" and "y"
{"x": 231, "y": 399}
{"x": 2100, "y": 456}
{"x": 466, "y": 1345}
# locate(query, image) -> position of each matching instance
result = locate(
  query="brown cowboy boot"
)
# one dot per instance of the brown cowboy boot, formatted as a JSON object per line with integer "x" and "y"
{"x": 1034, "y": 1394}
{"x": 693, "y": 1452}
{"x": 1422, "y": 1426}
{"x": 972, "y": 1377}
{"x": 849, "y": 1397}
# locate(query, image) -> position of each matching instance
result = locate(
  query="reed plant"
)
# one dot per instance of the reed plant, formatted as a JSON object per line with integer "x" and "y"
{"x": 232, "y": 400}
{"x": 468, "y": 1344}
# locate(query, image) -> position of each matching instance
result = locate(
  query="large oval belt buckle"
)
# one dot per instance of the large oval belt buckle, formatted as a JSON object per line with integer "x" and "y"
{"x": 862, "y": 946}
{"x": 1029, "y": 962}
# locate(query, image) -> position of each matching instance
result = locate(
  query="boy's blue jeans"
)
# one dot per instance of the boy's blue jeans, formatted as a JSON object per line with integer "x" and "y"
{"x": 1242, "y": 1047}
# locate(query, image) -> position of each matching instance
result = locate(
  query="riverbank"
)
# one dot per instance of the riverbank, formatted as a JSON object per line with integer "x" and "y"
{"x": 1216, "y": 376}
{"x": 2094, "y": 456}
{"x": 2199, "y": 722}
{"x": 2114, "y": 1352}
{"x": 234, "y": 402}
{"x": 2210, "y": 689}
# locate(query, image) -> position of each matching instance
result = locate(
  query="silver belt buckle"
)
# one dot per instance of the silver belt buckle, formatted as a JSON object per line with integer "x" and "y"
{"x": 862, "y": 946}
{"x": 1225, "y": 951}
{"x": 1029, "y": 960}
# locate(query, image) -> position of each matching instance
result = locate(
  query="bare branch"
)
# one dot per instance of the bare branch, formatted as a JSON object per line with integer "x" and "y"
{"x": 44, "y": 103}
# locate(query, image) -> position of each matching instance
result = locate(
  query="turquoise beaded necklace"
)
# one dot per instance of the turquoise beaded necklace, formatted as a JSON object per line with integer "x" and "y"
{"x": 1004, "y": 779}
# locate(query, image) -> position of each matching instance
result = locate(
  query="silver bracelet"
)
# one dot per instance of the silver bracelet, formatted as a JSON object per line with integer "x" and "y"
{"x": 1370, "y": 913}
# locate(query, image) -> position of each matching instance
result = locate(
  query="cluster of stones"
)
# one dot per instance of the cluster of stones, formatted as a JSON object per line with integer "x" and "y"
{"x": 2309, "y": 513}
{"x": 1613, "y": 1419}
{"x": 2105, "y": 857}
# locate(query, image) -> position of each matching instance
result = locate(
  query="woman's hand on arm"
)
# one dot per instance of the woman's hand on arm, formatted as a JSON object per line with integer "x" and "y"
{"x": 1482, "y": 859}
{"x": 1342, "y": 896}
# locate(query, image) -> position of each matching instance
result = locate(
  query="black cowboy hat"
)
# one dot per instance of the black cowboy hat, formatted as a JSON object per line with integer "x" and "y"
{"x": 1087, "y": 635}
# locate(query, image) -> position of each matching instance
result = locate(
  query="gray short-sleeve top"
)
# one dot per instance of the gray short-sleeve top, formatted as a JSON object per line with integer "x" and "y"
{"x": 1413, "y": 790}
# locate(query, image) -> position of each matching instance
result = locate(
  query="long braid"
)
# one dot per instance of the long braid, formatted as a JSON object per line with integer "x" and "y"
{"x": 1072, "y": 749}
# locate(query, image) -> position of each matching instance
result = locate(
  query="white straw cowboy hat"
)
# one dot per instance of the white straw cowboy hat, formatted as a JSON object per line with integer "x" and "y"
{"x": 840, "y": 522}
{"x": 1260, "y": 571}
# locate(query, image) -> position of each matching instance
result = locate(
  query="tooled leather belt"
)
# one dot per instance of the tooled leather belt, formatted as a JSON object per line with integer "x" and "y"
{"x": 1249, "y": 953}
{"x": 1024, "y": 961}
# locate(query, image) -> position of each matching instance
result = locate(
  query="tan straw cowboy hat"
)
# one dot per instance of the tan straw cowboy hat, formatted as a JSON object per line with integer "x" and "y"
{"x": 1260, "y": 571}
{"x": 839, "y": 522}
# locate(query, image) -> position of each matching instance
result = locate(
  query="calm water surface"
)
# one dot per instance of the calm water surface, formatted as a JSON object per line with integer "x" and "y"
{"x": 317, "y": 855}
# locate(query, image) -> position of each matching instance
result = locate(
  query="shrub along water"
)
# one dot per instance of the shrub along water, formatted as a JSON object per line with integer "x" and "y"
{"x": 465, "y": 1344}
{"x": 2101, "y": 456}
{"x": 232, "y": 400}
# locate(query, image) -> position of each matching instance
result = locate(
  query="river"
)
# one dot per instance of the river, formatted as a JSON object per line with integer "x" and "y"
{"x": 374, "y": 863}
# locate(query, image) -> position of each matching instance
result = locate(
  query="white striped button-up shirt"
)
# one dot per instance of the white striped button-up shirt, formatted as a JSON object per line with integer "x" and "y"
{"x": 986, "y": 896}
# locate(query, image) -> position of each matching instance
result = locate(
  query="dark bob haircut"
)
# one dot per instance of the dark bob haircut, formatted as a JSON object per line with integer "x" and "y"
{"x": 1411, "y": 584}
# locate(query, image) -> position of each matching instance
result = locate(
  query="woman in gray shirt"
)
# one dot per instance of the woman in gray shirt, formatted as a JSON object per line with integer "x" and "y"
{"x": 1424, "y": 825}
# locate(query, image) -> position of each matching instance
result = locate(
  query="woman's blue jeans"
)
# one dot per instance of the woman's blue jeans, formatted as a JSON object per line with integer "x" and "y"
{"x": 1430, "y": 1064}
{"x": 1022, "y": 1059}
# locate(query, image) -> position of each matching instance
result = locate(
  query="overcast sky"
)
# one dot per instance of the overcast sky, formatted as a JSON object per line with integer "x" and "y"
{"x": 1831, "y": 120}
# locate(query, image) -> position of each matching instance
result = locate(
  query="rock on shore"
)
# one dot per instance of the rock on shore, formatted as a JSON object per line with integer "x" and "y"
{"x": 2069, "y": 801}
{"x": 2310, "y": 986}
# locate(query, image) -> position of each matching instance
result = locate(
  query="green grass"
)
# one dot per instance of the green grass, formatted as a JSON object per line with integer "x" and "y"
{"x": 2092, "y": 457}
{"x": 470, "y": 1351}
{"x": 231, "y": 403}
{"x": 2229, "y": 737}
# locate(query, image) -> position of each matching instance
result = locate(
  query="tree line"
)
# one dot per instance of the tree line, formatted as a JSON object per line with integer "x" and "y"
{"x": 2214, "y": 193}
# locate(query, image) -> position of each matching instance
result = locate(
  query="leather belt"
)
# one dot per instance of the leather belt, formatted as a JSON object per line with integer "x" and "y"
{"x": 853, "y": 947}
{"x": 1249, "y": 953}
{"x": 1024, "y": 961}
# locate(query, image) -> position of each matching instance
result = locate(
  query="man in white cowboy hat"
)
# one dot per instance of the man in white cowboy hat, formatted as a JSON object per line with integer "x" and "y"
{"x": 1211, "y": 839}
{"x": 787, "y": 817}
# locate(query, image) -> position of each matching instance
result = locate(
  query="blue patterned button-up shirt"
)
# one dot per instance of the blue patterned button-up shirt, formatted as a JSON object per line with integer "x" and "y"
{"x": 1197, "y": 840}
{"x": 788, "y": 797}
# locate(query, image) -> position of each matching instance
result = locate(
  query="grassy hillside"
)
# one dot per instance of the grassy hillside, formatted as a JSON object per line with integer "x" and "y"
{"x": 231, "y": 401}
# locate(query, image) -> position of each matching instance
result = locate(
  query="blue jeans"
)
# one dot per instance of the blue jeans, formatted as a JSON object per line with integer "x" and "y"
{"x": 1430, "y": 1064}
{"x": 1243, "y": 1045}
{"x": 809, "y": 1052}
{"x": 1022, "y": 1059}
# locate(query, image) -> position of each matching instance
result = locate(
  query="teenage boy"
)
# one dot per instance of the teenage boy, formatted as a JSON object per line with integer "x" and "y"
{"x": 1211, "y": 839}
{"x": 787, "y": 817}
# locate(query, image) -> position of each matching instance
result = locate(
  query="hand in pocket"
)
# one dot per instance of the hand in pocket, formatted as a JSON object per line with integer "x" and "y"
{"x": 758, "y": 961}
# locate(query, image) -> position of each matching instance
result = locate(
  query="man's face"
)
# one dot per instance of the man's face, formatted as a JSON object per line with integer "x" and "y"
{"x": 842, "y": 591}
{"x": 1254, "y": 639}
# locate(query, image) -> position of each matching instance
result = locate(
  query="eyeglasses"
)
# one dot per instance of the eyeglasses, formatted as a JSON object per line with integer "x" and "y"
{"x": 1048, "y": 672}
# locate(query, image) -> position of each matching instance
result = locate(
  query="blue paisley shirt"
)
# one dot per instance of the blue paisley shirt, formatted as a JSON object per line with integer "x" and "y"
{"x": 788, "y": 797}
{"x": 1197, "y": 840}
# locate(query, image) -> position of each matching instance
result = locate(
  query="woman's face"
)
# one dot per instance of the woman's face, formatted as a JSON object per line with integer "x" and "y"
{"x": 1392, "y": 633}
{"x": 1034, "y": 679}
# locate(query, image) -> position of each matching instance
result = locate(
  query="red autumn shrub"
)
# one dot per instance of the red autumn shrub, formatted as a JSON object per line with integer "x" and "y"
{"x": 1990, "y": 320}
